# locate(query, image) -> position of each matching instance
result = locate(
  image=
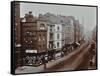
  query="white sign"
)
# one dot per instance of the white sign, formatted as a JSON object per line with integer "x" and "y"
{"x": 18, "y": 45}
{"x": 31, "y": 51}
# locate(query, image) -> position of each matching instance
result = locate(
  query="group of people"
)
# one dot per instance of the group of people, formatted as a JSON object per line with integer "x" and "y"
{"x": 92, "y": 53}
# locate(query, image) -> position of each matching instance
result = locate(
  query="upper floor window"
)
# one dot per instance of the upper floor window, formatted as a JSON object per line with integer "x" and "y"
{"x": 61, "y": 21}
{"x": 58, "y": 44}
{"x": 57, "y": 36}
{"x": 58, "y": 28}
{"x": 42, "y": 26}
{"x": 16, "y": 23}
{"x": 39, "y": 39}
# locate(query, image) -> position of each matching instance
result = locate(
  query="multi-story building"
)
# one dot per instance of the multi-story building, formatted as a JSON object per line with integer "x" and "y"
{"x": 54, "y": 36}
{"x": 77, "y": 31}
{"x": 69, "y": 29}
{"x": 60, "y": 30}
{"x": 34, "y": 35}
{"x": 17, "y": 35}
{"x": 81, "y": 33}
{"x": 58, "y": 36}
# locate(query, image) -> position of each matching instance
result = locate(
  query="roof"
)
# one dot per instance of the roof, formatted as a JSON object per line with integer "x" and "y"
{"x": 56, "y": 19}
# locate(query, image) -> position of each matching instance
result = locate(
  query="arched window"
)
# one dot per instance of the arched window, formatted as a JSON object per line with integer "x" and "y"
{"x": 42, "y": 26}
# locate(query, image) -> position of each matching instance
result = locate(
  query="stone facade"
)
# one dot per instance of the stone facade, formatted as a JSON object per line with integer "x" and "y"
{"x": 68, "y": 32}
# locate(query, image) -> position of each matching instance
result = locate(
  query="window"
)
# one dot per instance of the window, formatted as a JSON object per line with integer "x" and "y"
{"x": 39, "y": 39}
{"x": 58, "y": 28}
{"x": 57, "y": 36}
{"x": 42, "y": 26}
{"x": 69, "y": 29}
{"x": 39, "y": 47}
{"x": 57, "y": 44}
{"x": 61, "y": 21}
{"x": 16, "y": 24}
{"x": 40, "y": 35}
{"x": 27, "y": 32}
{"x": 50, "y": 30}
{"x": 30, "y": 33}
{"x": 43, "y": 39}
{"x": 31, "y": 41}
{"x": 50, "y": 26}
{"x": 44, "y": 45}
{"x": 26, "y": 41}
{"x": 44, "y": 35}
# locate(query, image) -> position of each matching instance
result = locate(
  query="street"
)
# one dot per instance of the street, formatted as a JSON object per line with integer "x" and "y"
{"x": 78, "y": 59}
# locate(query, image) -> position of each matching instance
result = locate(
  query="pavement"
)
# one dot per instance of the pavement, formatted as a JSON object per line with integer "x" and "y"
{"x": 69, "y": 62}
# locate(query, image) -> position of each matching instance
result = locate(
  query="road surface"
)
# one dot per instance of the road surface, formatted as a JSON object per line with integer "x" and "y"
{"x": 78, "y": 61}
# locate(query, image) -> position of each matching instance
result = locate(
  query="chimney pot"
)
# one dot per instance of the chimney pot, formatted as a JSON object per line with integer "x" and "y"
{"x": 30, "y": 12}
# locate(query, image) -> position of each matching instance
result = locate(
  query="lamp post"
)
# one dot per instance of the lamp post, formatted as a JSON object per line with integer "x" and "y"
{"x": 45, "y": 59}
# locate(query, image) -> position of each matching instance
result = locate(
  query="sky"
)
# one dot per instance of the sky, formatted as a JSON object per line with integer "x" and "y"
{"x": 85, "y": 15}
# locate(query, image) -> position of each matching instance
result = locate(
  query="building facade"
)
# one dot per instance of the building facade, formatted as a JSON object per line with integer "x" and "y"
{"x": 61, "y": 30}
{"x": 58, "y": 36}
{"x": 69, "y": 31}
{"x": 50, "y": 36}
{"x": 54, "y": 36}
{"x": 17, "y": 25}
{"x": 34, "y": 35}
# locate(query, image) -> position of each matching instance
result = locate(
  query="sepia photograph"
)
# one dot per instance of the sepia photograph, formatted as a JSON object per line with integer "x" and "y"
{"x": 51, "y": 37}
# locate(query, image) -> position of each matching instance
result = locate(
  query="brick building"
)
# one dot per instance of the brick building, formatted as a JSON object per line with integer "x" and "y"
{"x": 18, "y": 59}
{"x": 34, "y": 35}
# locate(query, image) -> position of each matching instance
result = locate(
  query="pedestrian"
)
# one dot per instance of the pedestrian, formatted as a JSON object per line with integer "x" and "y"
{"x": 91, "y": 63}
